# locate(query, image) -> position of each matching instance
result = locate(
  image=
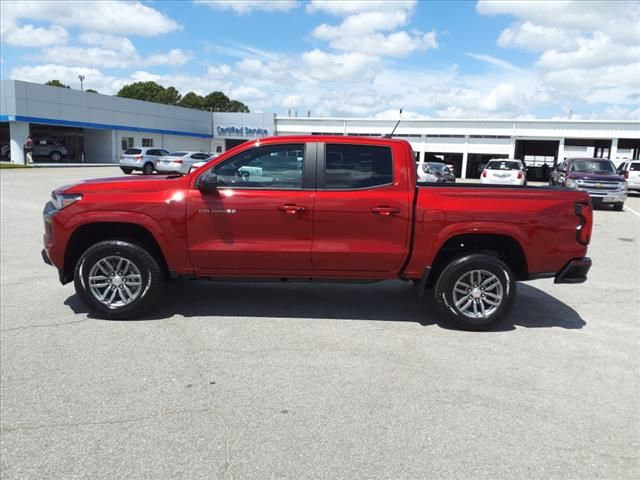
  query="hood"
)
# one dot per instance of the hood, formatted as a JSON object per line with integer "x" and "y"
{"x": 138, "y": 183}
{"x": 598, "y": 177}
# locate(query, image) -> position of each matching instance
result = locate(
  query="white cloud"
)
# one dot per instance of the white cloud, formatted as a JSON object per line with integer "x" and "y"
{"x": 94, "y": 78}
{"x": 174, "y": 57}
{"x": 494, "y": 61}
{"x": 536, "y": 38}
{"x": 248, "y": 6}
{"x": 89, "y": 57}
{"x": 350, "y": 7}
{"x": 292, "y": 101}
{"x": 588, "y": 51}
{"x": 219, "y": 72}
{"x": 362, "y": 29}
{"x": 30, "y": 36}
{"x": 342, "y": 67}
{"x": 106, "y": 16}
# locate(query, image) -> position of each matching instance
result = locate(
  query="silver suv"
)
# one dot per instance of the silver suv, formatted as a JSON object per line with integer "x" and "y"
{"x": 141, "y": 158}
{"x": 42, "y": 148}
{"x": 45, "y": 147}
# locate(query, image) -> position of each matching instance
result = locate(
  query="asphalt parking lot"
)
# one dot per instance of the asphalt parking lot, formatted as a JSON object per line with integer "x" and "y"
{"x": 310, "y": 381}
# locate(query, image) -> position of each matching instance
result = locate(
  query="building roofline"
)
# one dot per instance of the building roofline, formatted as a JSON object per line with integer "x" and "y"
{"x": 459, "y": 120}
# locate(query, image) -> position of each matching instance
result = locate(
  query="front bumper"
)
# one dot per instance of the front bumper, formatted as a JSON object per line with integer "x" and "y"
{"x": 606, "y": 198}
{"x": 575, "y": 271}
{"x": 45, "y": 257}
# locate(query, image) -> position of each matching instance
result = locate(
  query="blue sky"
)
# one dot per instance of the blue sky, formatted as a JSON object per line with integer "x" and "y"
{"x": 454, "y": 59}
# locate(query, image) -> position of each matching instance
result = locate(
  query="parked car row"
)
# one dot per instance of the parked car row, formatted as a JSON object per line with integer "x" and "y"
{"x": 149, "y": 160}
{"x": 596, "y": 176}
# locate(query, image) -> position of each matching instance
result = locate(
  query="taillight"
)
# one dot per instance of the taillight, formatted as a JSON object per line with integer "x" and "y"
{"x": 177, "y": 161}
{"x": 584, "y": 211}
{"x": 138, "y": 157}
{"x": 484, "y": 173}
{"x": 121, "y": 157}
{"x": 519, "y": 174}
{"x": 626, "y": 175}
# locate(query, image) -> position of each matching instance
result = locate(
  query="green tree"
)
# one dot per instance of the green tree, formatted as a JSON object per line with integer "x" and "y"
{"x": 57, "y": 83}
{"x": 150, "y": 92}
{"x": 217, "y": 101}
{"x": 193, "y": 100}
{"x": 91, "y": 90}
{"x": 237, "y": 106}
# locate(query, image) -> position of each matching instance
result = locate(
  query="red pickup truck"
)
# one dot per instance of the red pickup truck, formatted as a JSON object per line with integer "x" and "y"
{"x": 315, "y": 207}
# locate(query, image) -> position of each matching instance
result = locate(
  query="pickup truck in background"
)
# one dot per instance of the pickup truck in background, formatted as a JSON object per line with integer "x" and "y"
{"x": 315, "y": 207}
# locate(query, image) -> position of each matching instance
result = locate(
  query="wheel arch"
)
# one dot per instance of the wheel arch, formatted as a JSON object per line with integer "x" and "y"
{"x": 505, "y": 247}
{"x": 89, "y": 234}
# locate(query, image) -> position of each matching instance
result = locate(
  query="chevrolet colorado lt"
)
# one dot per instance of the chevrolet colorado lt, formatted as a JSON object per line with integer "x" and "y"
{"x": 315, "y": 207}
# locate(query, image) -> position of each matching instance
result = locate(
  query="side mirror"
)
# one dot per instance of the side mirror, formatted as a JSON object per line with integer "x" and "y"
{"x": 208, "y": 182}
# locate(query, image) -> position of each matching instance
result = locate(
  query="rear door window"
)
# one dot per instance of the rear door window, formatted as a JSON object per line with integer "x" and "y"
{"x": 351, "y": 167}
{"x": 635, "y": 167}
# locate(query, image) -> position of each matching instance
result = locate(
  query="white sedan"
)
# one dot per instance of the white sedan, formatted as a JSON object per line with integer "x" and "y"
{"x": 504, "y": 171}
{"x": 180, "y": 162}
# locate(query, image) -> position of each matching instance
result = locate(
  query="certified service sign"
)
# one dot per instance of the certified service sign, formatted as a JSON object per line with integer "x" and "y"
{"x": 244, "y": 132}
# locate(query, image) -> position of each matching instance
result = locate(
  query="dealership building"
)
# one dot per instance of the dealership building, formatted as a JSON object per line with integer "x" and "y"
{"x": 94, "y": 129}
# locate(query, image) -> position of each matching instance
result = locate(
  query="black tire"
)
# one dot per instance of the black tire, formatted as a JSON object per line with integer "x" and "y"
{"x": 126, "y": 170}
{"x": 151, "y": 281}
{"x": 455, "y": 272}
{"x": 55, "y": 156}
{"x": 148, "y": 168}
{"x": 618, "y": 207}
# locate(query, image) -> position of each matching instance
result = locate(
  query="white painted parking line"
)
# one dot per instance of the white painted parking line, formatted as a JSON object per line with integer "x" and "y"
{"x": 632, "y": 210}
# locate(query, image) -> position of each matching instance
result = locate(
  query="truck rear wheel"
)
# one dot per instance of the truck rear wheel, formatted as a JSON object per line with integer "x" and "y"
{"x": 475, "y": 292}
{"x": 118, "y": 280}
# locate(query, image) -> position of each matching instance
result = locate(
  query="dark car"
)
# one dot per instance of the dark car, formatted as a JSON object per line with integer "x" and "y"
{"x": 596, "y": 176}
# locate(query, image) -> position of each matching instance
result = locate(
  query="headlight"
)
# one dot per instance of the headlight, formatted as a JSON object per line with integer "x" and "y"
{"x": 63, "y": 200}
{"x": 571, "y": 183}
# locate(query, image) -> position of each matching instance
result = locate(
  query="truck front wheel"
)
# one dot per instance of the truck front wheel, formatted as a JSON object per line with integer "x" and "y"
{"x": 117, "y": 279}
{"x": 475, "y": 292}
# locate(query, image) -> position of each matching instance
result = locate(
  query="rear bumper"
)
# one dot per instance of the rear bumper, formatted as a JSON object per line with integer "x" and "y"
{"x": 575, "y": 271}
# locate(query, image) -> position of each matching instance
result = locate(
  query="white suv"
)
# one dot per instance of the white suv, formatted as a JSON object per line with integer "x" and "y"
{"x": 141, "y": 158}
{"x": 631, "y": 171}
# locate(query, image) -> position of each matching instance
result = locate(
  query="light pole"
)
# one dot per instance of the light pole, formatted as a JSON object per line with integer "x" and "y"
{"x": 81, "y": 77}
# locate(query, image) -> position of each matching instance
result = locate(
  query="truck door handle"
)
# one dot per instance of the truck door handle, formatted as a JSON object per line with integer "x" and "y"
{"x": 385, "y": 211}
{"x": 292, "y": 209}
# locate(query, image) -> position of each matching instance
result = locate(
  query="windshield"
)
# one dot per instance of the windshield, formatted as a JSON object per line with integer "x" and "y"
{"x": 132, "y": 151}
{"x": 593, "y": 166}
{"x": 178, "y": 154}
{"x": 503, "y": 165}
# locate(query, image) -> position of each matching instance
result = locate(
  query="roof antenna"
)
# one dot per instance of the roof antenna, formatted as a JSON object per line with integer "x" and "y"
{"x": 390, "y": 135}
